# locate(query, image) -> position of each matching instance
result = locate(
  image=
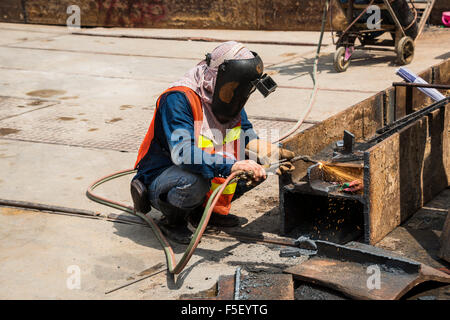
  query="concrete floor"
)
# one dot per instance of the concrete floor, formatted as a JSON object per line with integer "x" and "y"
{"x": 74, "y": 107}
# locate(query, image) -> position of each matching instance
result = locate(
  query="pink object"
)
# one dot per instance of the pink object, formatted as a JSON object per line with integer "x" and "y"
{"x": 446, "y": 18}
{"x": 348, "y": 53}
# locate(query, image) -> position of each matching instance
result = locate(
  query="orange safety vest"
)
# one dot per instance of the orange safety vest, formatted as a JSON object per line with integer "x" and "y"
{"x": 229, "y": 149}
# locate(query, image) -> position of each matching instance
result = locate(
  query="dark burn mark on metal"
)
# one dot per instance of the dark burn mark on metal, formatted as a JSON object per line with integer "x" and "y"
{"x": 114, "y": 120}
{"x": 151, "y": 270}
{"x": 66, "y": 118}
{"x": 35, "y": 103}
{"x": 6, "y": 131}
{"x": 126, "y": 106}
{"x": 46, "y": 93}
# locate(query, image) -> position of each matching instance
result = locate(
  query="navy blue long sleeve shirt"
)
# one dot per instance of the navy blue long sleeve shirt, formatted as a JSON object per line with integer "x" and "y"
{"x": 174, "y": 116}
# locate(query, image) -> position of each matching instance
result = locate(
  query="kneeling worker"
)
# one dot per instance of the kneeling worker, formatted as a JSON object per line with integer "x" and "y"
{"x": 195, "y": 138}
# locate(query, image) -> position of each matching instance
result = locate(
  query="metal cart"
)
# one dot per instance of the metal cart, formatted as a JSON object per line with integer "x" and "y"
{"x": 403, "y": 19}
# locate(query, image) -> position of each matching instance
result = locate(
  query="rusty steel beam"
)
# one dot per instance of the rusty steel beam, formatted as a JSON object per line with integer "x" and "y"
{"x": 421, "y": 85}
{"x": 388, "y": 130}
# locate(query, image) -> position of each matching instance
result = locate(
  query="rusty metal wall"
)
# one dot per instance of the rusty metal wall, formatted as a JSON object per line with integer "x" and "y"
{"x": 239, "y": 14}
{"x": 12, "y": 11}
{"x": 221, "y": 14}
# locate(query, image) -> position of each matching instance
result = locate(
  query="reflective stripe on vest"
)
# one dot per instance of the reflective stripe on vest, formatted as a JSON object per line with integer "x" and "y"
{"x": 232, "y": 135}
{"x": 230, "y": 189}
{"x": 228, "y": 149}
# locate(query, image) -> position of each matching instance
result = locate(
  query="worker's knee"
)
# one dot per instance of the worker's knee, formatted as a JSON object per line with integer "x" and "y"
{"x": 189, "y": 192}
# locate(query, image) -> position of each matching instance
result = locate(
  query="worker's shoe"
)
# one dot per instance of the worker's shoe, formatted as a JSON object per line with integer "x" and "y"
{"x": 216, "y": 220}
{"x": 174, "y": 224}
{"x": 139, "y": 194}
{"x": 220, "y": 220}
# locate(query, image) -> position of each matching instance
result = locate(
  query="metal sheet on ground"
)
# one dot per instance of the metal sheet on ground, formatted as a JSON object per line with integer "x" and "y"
{"x": 252, "y": 287}
{"x": 418, "y": 237}
{"x": 347, "y": 269}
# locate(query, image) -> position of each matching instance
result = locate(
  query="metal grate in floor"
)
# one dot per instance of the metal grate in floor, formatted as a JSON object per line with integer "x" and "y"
{"x": 120, "y": 129}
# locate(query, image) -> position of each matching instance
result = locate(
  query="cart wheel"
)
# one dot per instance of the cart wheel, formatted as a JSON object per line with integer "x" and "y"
{"x": 340, "y": 65}
{"x": 405, "y": 50}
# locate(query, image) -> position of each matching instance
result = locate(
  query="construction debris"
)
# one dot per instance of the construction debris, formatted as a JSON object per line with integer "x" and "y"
{"x": 253, "y": 286}
{"x": 364, "y": 272}
{"x": 393, "y": 185}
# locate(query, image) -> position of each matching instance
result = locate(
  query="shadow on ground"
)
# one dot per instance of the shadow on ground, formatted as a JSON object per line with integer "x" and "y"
{"x": 304, "y": 66}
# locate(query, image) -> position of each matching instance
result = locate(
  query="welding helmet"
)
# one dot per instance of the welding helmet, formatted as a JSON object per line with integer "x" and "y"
{"x": 236, "y": 80}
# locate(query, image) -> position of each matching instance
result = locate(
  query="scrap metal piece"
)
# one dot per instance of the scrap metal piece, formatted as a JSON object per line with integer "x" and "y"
{"x": 305, "y": 243}
{"x": 266, "y": 287}
{"x": 319, "y": 183}
{"x": 237, "y": 283}
{"x": 251, "y": 287}
{"x": 426, "y": 298}
{"x": 350, "y": 270}
{"x": 306, "y": 247}
{"x": 444, "y": 253}
{"x": 339, "y": 157}
{"x": 296, "y": 252}
{"x": 316, "y": 181}
{"x": 349, "y": 141}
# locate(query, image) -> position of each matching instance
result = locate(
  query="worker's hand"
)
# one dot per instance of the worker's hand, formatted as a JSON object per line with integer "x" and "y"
{"x": 285, "y": 167}
{"x": 250, "y": 166}
{"x": 267, "y": 152}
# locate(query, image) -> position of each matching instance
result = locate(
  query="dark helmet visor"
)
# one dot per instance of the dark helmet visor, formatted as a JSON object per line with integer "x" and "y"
{"x": 236, "y": 81}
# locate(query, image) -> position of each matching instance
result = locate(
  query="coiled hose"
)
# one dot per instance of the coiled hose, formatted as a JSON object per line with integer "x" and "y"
{"x": 172, "y": 266}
